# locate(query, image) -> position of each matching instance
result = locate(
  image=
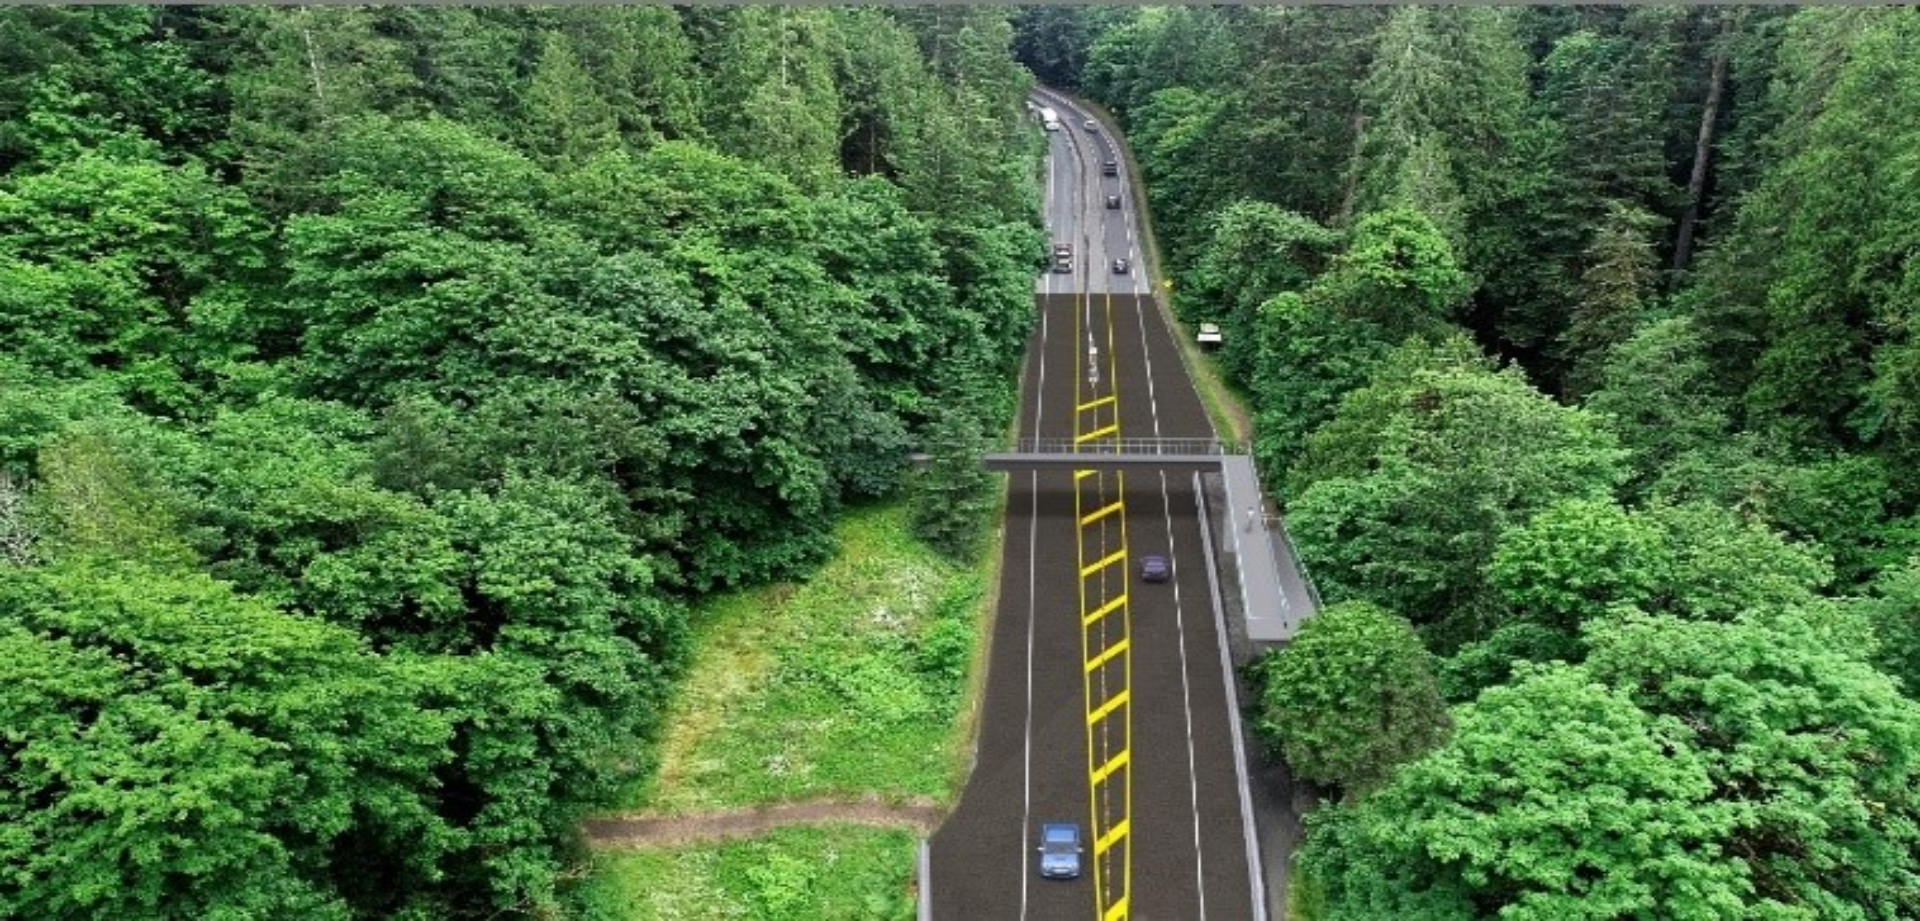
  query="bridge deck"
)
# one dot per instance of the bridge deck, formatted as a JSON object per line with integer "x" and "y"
{"x": 1276, "y": 595}
{"x": 1052, "y": 460}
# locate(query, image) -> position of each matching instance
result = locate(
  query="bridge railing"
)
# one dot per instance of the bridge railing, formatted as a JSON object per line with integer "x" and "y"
{"x": 1147, "y": 446}
{"x": 1300, "y": 565}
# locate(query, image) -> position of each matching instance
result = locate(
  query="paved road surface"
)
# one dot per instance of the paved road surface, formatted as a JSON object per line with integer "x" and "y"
{"x": 1188, "y": 858}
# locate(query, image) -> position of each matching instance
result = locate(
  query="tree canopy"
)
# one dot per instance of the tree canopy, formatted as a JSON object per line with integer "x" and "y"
{"x": 379, "y": 387}
{"x": 1578, "y": 337}
{"x": 1352, "y": 697}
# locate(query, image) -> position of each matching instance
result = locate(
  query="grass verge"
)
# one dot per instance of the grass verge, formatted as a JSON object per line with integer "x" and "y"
{"x": 863, "y": 681}
{"x": 847, "y": 685}
{"x": 793, "y": 873}
{"x": 1226, "y": 407}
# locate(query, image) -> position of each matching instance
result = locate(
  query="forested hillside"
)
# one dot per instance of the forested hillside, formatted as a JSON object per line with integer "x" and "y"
{"x": 379, "y": 386}
{"x": 1581, "y": 344}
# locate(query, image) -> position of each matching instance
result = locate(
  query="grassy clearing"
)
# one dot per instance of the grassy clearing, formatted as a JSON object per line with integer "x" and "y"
{"x": 795, "y": 873}
{"x": 847, "y": 685}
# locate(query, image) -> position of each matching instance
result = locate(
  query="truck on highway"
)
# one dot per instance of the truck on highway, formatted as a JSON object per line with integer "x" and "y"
{"x": 1063, "y": 257}
{"x": 1049, "y": 119}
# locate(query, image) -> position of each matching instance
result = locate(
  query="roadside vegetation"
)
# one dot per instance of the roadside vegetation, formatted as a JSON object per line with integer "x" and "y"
{"x": 794, "y": 874}
{"x": 382, "y": 389}
{"x": 1580, "y": 348}
{"x": 849, "y": 684}
{"x": 847, "y": 687}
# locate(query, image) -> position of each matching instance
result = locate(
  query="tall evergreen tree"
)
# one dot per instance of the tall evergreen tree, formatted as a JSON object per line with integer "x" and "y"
{"x": 1299, "y": 105}
{"x": 1619, "y": 280}
{"x": 566, "y": 120}
{"x": 775, "y": 101}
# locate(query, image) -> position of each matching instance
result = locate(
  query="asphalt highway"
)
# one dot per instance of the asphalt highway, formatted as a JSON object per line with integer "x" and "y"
{"x": 1183, "y": 856}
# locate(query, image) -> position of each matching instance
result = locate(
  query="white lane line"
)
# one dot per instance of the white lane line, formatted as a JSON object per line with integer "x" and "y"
{"x": 1179, "y": 620}
{"x": 1186, "y": 700}
{"x": 1053, "y": 201}
{"x": 1086, "y": 257}
{"x": 1026, "y": 766}
{"x": 1033, "y": 537}
{"x": 1133, "y": 247}
{"x": 1033, "y": 523}
{"x": 1146, "y": 350}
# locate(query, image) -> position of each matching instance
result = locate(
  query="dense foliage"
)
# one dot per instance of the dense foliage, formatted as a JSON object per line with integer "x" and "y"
{"x": 379, "y": 385}
{"x": 1686, "y": 770}
{"x": 1580, "y": 338}
{"x": 1353, "y": 698}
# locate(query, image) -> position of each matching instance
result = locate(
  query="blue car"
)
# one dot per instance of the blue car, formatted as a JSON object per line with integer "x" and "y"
{"x": 1060, "y": 850}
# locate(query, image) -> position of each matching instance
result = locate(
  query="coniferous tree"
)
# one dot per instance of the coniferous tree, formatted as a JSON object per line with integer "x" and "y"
{"x": 567, "y": 121}
{"x": 1620, "y": 278}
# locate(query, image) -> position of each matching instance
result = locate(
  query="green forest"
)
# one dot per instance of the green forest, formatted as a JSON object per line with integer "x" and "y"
{"x": 1581, "y": 345}
{"x": 380, "y": 389}
{"x": 380, "y": 386}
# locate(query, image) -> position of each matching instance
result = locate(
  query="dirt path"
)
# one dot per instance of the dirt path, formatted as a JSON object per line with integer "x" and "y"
{"x": 651, "y": 831}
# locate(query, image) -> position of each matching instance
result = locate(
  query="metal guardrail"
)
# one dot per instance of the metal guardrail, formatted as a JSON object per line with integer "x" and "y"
{"x": 924, "y": 893}
{"x": 1147, "y": 446}
{"x": 1299, "y": 564}
{"x": 1256, "y": 871}
{"x": 1204, "y": 447}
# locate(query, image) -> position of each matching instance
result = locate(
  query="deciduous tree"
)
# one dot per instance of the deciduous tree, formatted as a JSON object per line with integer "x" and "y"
{"x": 1464, "y": 455}
{"x": 1255, "y": 252}
{"x": 1809, "y": 746}
{"x": 178, "y": 750}
{"x": 1575, "y": 561}
{"x": 1350, "y": 698}
{"x": 1555, "y": 797}
{"x": 1894, "y": 609}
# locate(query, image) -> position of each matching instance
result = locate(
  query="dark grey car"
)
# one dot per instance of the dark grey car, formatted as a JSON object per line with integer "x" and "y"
{"x": 1155, "y": 568}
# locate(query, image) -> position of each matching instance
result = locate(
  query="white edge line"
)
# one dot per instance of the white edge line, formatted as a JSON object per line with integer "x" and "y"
{"x": 1186, "y": 700}
{"x": 1033, "y": 537}
{"x": 1179, "y": 614}
{"x": 1256, "y": 882}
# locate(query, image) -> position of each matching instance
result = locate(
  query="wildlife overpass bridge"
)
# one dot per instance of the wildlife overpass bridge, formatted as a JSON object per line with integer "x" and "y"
{"x": 1275, "y": 591}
